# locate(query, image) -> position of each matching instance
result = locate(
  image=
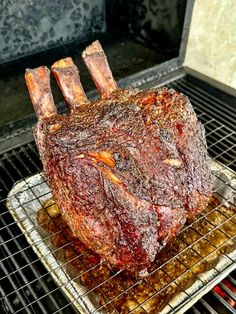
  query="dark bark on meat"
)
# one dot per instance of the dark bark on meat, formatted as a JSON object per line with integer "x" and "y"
{"x": 127, "y": 171}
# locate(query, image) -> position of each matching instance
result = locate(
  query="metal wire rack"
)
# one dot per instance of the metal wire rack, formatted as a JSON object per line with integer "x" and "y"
{"x": 27, "y": 286}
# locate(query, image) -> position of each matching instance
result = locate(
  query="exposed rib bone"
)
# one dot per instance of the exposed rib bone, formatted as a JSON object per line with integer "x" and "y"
{"x": 67, "y": 76}
{"x": 98, "y": 67}
{"x": 38, "y": 83}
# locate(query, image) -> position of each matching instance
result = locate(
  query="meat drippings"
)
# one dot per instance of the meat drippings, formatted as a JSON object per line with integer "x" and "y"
{"x": 195, "y": 250}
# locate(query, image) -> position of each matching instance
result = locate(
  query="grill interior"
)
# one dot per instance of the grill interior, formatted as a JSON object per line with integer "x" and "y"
{"x": 26, "y": 286}
{"x": 220, "y": 300}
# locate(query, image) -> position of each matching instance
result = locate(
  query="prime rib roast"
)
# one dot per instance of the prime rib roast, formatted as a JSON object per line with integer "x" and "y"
{"x": 127, "y": 170}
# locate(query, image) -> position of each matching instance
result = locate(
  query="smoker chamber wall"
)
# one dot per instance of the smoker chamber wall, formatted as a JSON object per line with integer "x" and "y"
{"x": 30, "y": 26}
{"x": 136, "y": 35}
{"x": 212, "y": 43}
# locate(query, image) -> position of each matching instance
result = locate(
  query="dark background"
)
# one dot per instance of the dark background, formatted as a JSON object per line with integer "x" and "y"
{"x": 135, "y": 35}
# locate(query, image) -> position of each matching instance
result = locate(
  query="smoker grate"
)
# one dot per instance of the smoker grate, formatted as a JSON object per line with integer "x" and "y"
{"x": 26, "y": 286}
{"x": 221, "y": 299}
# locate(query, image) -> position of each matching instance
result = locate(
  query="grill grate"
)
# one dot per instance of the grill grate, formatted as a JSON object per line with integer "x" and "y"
{"x": 221, "y": 299}
{"x": 26, "y": 286}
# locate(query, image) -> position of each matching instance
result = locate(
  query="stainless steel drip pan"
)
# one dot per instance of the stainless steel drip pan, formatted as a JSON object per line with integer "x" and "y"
{"x": 26, "y": 198}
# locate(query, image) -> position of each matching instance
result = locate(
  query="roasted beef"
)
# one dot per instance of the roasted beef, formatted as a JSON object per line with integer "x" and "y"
{"x": 126, "y": 170}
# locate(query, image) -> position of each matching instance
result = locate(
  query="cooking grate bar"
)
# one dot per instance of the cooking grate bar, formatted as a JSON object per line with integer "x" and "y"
{"x": 223, "y": 302}
{"x": 228, "y": 291}
{"x": 232, "y": 280}
{"x": 194, "y": 310}
{"x": 224, "y": 152}
{"x": 200, "y": 99}
{"x": 20, "y": 295}
{"x": 35, "y": 272}
{"x": 29, "y": 290}
{"x": 34, "y": 164}
{"x": 42, "y": 276}
{"x": 216, "y": 300}
{"x": 224, "y": 140}
{"x": 207, "y": 306}
{"x": 209, "y": 97}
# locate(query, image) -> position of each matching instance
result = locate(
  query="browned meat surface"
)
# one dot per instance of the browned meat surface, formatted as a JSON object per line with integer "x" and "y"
{"x": 126, "y": 170}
